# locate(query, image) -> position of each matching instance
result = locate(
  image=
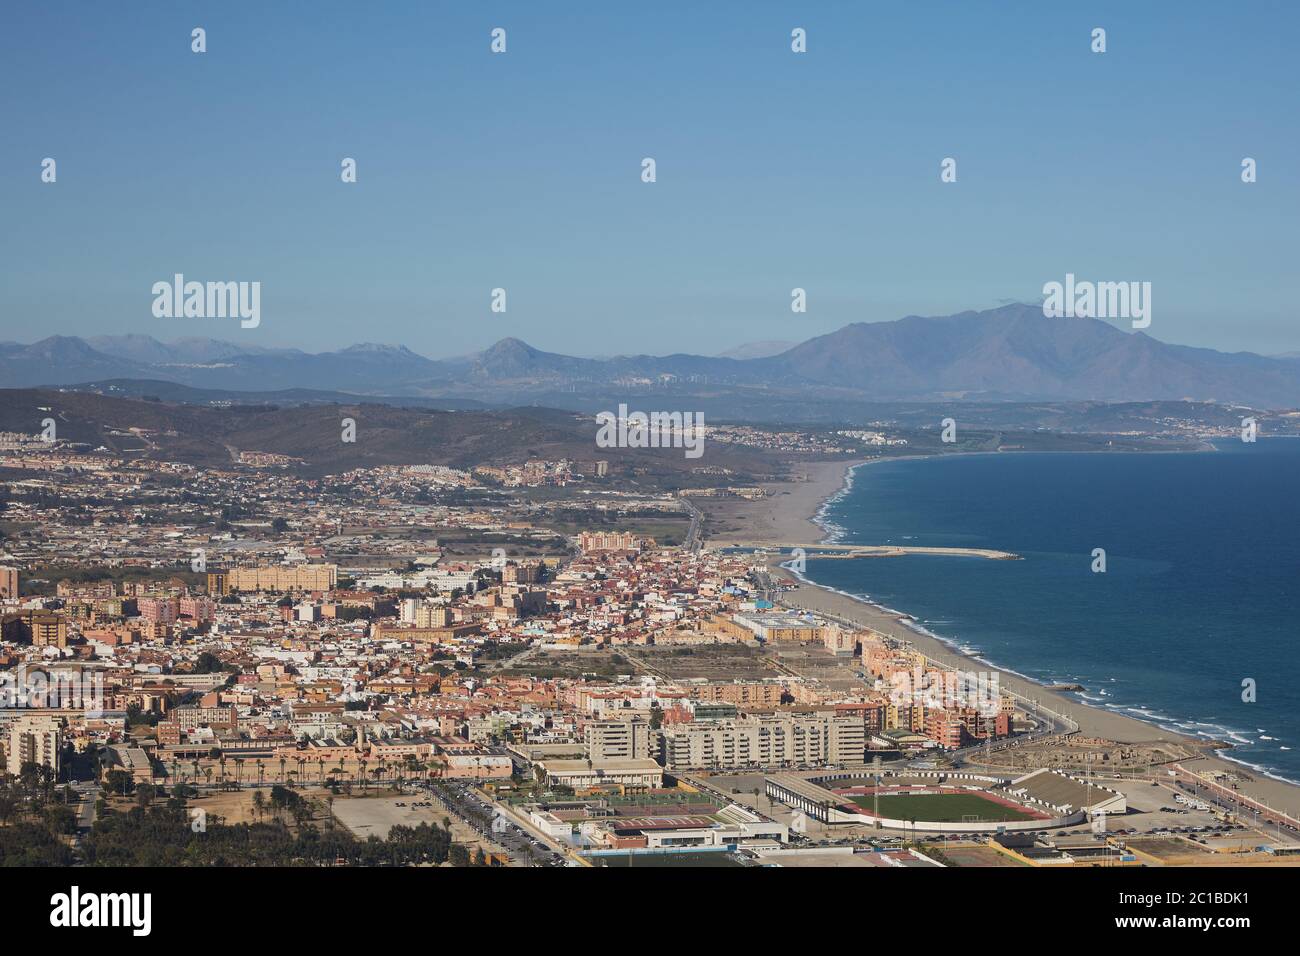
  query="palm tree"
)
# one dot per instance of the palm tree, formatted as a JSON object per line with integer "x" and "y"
{"x": 261, "y": 770}
{"x": 239, "y": 772}
{"x": 259, "y": 804}
{"x": 282, "y": 763}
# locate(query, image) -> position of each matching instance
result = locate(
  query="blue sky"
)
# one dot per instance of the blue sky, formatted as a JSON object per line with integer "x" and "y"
{"x": 522, "y": 170}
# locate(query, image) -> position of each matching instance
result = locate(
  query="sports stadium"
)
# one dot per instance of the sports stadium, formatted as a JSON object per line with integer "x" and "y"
{"x": 938, "y": 802}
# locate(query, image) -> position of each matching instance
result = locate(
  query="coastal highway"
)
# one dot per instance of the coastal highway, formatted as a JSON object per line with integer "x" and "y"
{"x": 1050, "y": 724}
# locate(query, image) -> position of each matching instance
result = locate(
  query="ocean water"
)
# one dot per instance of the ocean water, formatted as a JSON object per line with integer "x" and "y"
{"x": 1199, "y": 593}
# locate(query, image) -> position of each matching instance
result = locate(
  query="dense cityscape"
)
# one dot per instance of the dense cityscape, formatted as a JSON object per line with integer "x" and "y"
{"x": 516, "y": 665}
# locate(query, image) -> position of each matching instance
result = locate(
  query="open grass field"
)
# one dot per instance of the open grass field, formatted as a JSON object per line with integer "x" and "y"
{"x": 942, "y": 808}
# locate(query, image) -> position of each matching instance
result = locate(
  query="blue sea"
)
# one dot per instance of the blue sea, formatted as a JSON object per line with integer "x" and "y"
{"x": 1199, "y": 593}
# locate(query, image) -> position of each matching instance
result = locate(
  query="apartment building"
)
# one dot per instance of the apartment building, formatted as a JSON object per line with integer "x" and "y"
{"x": 769, "y": 740}
{"x": 780, "y": 627}
{"x": 423, "y": 614}
{"x": 34, "y": 739}
{"x": 434, "y": 635}
{"x": 287, "y": 577}
{"x": 627, "y": 739}
{"x": 159, "y": 610}
{"x": 742, "y": 693}
{"x": 529, "y": 572}
{"x": 218, "y": 718}
{"x": 197, "y": 607}
{"x": 610, "y": 542}
{"x": 945, "y": 728}
{"x": 839, "y": 641}
{"x": 39, "y": 628}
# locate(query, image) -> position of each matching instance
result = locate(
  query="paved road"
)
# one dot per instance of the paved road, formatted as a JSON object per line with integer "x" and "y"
{"x": 88, "y": 794}
{"x": 693, "y": 539}
{"x": 521, "y": 658}
{"x": 472, "y": 806}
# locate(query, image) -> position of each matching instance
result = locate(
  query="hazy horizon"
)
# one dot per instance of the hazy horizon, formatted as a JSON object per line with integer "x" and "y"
{"x": 234, "y": 341}
{"x": 775, "y": 170}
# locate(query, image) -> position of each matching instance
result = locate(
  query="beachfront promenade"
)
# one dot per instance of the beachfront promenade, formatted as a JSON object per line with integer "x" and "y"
{"x": 877, "y": 551}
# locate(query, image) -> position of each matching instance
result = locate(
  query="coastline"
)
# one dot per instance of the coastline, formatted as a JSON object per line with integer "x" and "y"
{"x": 798, "y": 516}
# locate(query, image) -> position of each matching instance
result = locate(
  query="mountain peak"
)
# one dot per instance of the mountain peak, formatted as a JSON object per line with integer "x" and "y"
{"x": 376, "y": 348}
{"x": 511, "y": 346}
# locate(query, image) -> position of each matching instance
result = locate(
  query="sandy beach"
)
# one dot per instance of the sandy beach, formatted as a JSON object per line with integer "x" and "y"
{"x": 786, "y": 516}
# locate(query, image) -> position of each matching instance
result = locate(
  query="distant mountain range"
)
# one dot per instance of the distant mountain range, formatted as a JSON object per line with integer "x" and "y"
{"x": 1013, "y": 353}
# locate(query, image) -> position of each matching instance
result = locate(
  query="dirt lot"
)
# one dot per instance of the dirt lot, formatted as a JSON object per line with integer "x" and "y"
{"x": 722, "y": 661}
{"x": 1081, "y": 755}
{"x": 572, "y": 663}
{"x": 1170, "y": 850}
{"x": 976, "y": 856}
{"x": 236, "y": 806}
{"x": 709, "y": 661}
{"x": 378, "y": 814}
{"x": 814, "y": 661}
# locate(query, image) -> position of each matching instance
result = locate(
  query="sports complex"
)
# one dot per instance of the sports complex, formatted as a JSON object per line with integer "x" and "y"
{"x": 943, "y": 802}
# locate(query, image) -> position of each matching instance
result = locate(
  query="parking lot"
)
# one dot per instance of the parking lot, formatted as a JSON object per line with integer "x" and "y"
{"x": 1156, "y": 810}
{"x": 366, "y": 816}
{"x": 375, "y": 816}
{"x": 477, "y": 812}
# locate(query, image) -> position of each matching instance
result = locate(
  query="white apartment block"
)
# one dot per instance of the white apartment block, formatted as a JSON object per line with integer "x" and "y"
{"x": 618, "y": 739}
{"x": 34, "y": 739}
{"x": 775, "y": 740}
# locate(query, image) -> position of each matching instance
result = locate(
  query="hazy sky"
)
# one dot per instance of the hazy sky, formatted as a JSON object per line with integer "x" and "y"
{"x": 522, "y": 170}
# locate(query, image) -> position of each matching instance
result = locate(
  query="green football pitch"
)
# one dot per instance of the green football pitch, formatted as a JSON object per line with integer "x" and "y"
{"x": 942, "y": 808}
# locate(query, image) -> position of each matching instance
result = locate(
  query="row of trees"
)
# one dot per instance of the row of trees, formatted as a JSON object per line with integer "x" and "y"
{"x": 36, "y": 823}
{"x": 35, "y": 816}
{"x": 169, "y": 834}
{"x": 234, "y": 772}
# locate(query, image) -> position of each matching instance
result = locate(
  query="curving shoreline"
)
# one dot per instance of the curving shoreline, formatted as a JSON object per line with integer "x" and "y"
{"x": 801, "y": 517}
